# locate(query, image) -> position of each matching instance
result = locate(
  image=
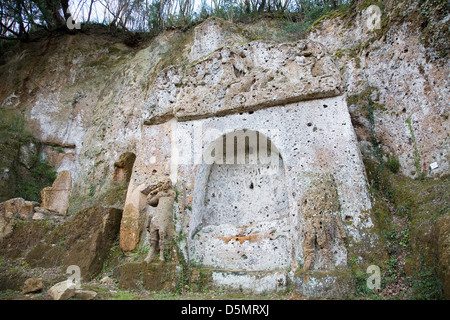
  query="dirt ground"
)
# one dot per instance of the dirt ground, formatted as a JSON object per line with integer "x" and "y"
{"x": 112, "y": 292}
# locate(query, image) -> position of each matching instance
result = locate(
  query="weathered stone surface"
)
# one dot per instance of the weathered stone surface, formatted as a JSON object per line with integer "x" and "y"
{"x": 200, "y": 279}
{"x": 131, "y": 226}
{"x": 96, "y": 230}
{"x": 159, "y": 276}
{"x": 83, "y": 241}
{"x": 38, "y": 216}
{"x": 25, "y": 236}
{"x": 56, "y": 197}
{"x": 212, "y": 35}
{"x": 13, "y": 210}
{"x": 154, "y": 276}
{"x": 226, "y": 201}
{"x": 12, "y": 279}
{"x": 7, "y": 220}
{"x": 244, "y": 219}
{"x": 32, "y": 285}
{"x": 321, "y": 225}
{"x": 60, "y": 156}
{"x": 18, "y": 208}
{"x": 43, "y": 211}
{"x": 152, "y": 160}
{"x": 220, "y": 194}
{"x": 249, "y": 281}
{"x": 28, "y": 154}
{"x": 99, "y": 114}
{"x": 244, "y": 78}
{"x": 408, "y": 81}
{"x": 123, "y": 168}
{"x": 27, "y": 210}
{"x": 62, "y": 291}
{"x": 85, "y": 294}
{"x": 130, "y": 276}
{"x": 336, "y": 284}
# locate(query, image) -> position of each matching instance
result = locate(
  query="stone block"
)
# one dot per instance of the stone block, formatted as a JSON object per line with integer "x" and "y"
{"x": 85, "y": 294}
{"x": 158, "y": 276}
{"x": 32, "y": 285}
{"x": 84, "y": 241}
{"x": 62, "y": 291}
{"x": 251, "y": 282}
{"x": 155, "y": 276}
{"x": 131, "y": 276}
{"x": 13, "y": 210}
{"x": 56, "y": 197}
{"x": 330, "y": 284}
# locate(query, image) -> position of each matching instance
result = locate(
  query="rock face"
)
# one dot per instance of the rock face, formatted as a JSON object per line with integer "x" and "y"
{"x": 210, "y": 36}
{"x": 243, "y": 143}
{"x": 258, "y": 137}
{"x": 408, "y": 87}
{"x": 56, "y": 197}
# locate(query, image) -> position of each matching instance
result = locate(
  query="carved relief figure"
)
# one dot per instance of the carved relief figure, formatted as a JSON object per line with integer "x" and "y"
{"x": 322, "y": 222}
{"x": 160, "y": 224}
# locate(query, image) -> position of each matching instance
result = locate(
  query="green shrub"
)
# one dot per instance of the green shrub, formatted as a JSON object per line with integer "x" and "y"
{"x": 393, "y": 163}
{"x": 426, "y": 285}
{"x": 25, "y": 182}
{"x": 29, "y": 185}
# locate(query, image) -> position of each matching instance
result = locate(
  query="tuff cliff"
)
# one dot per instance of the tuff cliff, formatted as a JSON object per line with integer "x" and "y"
{"x": 358, "y": 108}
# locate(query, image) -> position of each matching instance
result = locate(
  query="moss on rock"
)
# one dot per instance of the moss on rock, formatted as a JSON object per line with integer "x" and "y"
{"x": 410, "y": 216}
{"x": 85, "y": 241}
{"x": 23, "y": 173}
{"x": 26, "y": 234}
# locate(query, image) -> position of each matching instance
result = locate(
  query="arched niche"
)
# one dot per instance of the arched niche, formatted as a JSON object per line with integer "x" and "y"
{"x": 240, "y": 216}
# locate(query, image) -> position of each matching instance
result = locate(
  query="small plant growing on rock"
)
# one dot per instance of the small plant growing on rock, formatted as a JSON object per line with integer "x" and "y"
{"x": 393, "y": 163}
